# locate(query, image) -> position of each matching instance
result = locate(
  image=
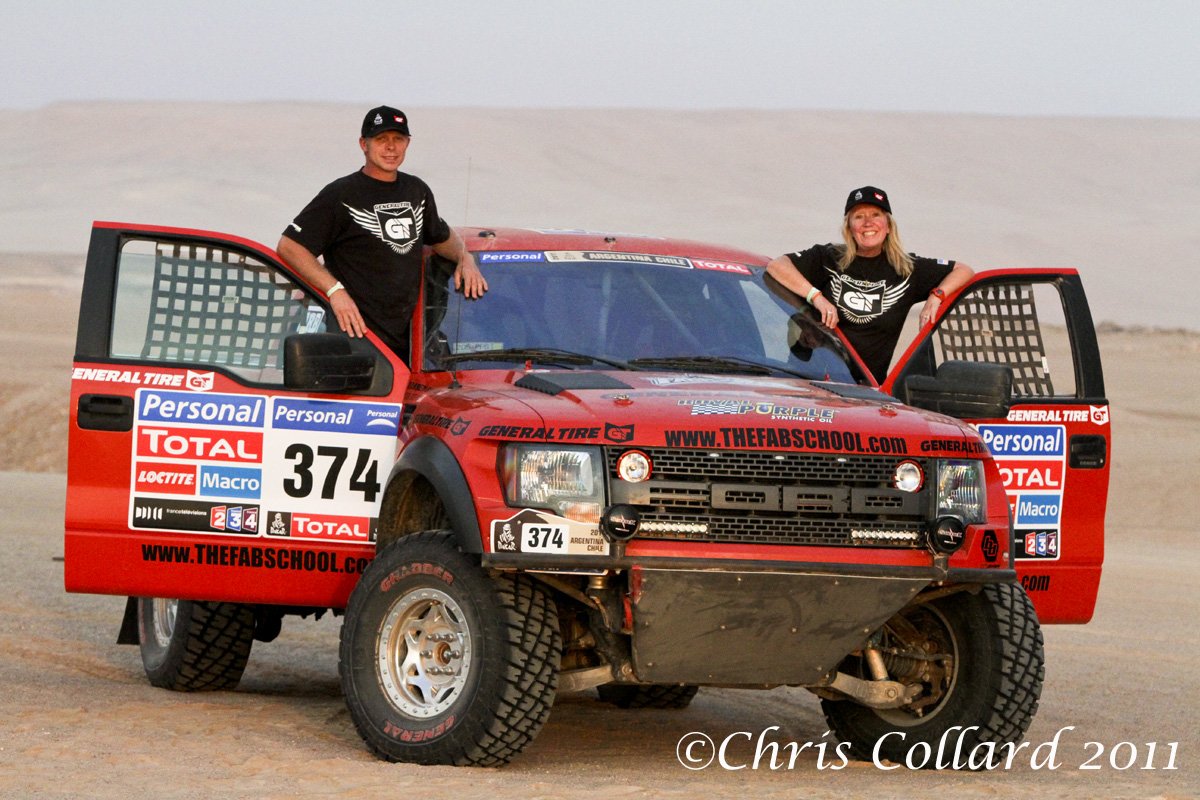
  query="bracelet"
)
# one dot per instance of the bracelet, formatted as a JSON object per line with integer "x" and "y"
{"x": 337, "y": 287}
{"x": 813, "y": 292}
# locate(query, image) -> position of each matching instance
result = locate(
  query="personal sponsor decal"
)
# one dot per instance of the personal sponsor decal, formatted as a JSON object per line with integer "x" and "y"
{"x": 607, "y": 255}
{"x": 510, "y": 257}
{"x": 1024, "y": 440}
{"x": 817, "y": 439}
{"x": 235, "y": 410}
{"x": 334, "y": 416}
{"x": 530, "y": 531}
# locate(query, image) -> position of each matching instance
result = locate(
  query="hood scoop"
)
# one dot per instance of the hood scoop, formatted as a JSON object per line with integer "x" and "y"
{"x": 554, "y": 383}
{"x": 853, "y": 392}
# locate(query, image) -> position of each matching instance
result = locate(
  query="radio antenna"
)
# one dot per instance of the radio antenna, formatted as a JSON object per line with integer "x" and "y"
{"x": 467, "y": 200}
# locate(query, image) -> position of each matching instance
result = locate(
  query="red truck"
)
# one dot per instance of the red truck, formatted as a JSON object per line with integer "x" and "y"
{"x": 636, "y": 464}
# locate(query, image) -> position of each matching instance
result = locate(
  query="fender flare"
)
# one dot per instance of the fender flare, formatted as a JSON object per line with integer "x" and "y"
{"x": 432, "y": 460}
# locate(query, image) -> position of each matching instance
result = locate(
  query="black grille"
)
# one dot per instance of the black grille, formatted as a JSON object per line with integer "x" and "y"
{"x": 773, "y": 498}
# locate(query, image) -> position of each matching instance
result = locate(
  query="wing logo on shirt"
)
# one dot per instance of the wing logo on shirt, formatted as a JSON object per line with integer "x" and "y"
{"x": 398, "y": 225}
{"x": 862, "y": 301}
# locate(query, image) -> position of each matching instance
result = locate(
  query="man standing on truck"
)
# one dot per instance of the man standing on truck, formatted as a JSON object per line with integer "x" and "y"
{"x": 369, "y": 228}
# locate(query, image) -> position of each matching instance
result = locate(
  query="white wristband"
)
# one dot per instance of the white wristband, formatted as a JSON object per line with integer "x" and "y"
{"x": 337, "y": 287}
{"x": 813, "y": 292}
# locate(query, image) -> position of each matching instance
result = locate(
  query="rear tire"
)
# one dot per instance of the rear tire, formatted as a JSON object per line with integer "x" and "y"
{"x": 194, "y": 645}
{"x": 650, "y": 695}
{"x": 988, "y": 682}
{"x": 445, "y": 663}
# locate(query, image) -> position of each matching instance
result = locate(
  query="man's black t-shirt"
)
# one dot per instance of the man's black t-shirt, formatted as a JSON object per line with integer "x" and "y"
{"x": 871, "y": 299}
{"x": 370, "y": 234}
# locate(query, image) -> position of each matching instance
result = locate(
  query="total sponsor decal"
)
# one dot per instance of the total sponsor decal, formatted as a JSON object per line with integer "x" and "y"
{"x": 191, "y": 515}
{"x": 720, "y": 266}
{"x": 334, "y": 416}
{"x": 1097, "y": 415}
{"x": 321, "y": 527}
{"x": 1031, "y": 473}
{"x": 198, "y": 444}
{"x": 195, "y": 381}
{"x": 531, "y": 531}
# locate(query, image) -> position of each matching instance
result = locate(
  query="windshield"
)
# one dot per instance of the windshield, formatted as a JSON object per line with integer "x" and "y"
{"x": 640, "y": 312}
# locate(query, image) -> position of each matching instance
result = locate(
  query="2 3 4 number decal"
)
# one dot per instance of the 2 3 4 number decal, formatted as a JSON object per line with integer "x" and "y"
{"x": 363, "y": 478}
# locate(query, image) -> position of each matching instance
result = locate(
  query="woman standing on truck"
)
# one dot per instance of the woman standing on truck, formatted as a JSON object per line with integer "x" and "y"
{"x": 869, "y": 283}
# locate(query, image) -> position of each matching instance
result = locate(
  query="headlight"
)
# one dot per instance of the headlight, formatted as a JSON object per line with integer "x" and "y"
{"x": 567, "y": 480}
{"x": 961, "y": 490}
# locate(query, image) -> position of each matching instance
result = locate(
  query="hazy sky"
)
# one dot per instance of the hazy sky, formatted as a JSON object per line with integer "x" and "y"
{"x": 1101, "y": 57}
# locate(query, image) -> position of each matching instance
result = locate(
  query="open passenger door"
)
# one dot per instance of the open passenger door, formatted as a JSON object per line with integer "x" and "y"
{"x": 222, "y": 443}
{"x": 1014, "y": 353}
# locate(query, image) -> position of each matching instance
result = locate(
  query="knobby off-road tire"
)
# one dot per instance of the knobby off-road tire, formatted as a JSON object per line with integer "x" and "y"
{"x": 444, "y": 663}
{"x": 194, "y": 645}
{"x": 652, "y": 695}
{"x": 993, "y": 681}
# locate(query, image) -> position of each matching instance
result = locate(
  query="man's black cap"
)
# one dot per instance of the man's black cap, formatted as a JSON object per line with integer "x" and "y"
{"x": 384, "y": 118}
{"x": 870, "y": 196}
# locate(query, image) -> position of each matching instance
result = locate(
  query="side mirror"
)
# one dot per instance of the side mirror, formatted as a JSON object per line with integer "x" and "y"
{"x": 963, "y": 389}
{"x": 324, "y": 362}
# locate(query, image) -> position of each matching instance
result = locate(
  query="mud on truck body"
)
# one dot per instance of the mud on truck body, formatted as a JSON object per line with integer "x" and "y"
{"x": 636, "y": 464}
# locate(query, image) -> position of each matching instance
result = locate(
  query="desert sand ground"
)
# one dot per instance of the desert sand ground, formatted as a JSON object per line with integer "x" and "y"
{"x": 77, "y": 718}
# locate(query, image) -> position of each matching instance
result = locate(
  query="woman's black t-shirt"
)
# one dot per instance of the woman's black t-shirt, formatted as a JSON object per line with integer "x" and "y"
{"x": 871, "y": 299}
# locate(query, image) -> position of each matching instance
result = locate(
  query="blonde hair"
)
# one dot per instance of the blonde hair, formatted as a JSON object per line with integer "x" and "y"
{"x": 900, "y": 260}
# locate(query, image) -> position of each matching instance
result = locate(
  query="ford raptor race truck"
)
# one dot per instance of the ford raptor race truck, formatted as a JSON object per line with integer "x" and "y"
{"x": 635, "y": 465}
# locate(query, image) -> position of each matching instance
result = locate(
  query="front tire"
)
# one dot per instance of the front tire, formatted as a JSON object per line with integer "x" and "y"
{"x": 194, "y": 645}
{"x": 980, "y": 661}
{"x": 444, "y": 663}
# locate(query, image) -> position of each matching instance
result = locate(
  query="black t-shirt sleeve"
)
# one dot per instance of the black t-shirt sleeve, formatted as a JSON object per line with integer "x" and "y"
{"x": 436, "y": 230}
{"x": 811, "y": 264}
{"x": 315, "y": 226}
{"x": 927, "y": 274}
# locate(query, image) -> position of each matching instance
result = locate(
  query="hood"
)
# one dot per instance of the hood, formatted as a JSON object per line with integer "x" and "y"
{"x": 676, "y": 409}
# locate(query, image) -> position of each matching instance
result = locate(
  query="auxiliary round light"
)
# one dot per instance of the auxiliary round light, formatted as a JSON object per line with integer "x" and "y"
{"x": 634, "y": 466}
{"x": 619, "y": 523}
{"x": 909, "y": 477}
{"x": 947, "y": 534}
